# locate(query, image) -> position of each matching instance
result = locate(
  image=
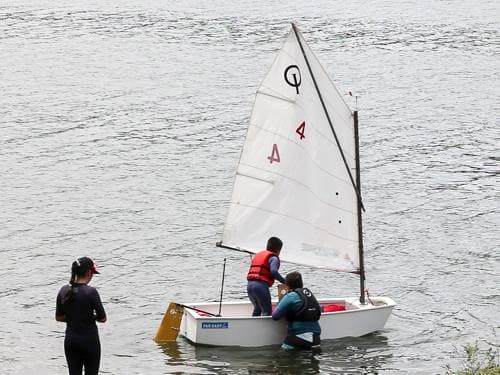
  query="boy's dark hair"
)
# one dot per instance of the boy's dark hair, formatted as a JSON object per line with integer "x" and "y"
{"x": 274, "y": 244}
{"x": 294, "y": 280}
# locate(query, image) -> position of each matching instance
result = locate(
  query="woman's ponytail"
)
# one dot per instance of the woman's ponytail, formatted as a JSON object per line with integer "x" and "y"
{"x": 67, "y": 299}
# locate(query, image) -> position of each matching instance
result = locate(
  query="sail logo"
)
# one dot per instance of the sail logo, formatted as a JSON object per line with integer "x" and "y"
{"x": 215, "y": 325}
{"x": 293, "y": 72}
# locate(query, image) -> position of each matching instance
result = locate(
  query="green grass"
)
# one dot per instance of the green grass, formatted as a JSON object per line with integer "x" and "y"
{"x": 478, "y": 362}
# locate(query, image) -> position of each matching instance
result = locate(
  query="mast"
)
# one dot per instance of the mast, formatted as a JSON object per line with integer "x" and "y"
{"x": 360, "y": 221}
{"x": 327, "y": 115}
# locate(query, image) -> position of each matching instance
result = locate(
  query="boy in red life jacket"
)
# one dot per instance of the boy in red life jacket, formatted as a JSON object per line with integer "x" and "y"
{"x": 263, "y": 271}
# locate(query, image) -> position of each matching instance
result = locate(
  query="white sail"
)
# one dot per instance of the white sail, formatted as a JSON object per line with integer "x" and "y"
{"x": 291, "y": 180}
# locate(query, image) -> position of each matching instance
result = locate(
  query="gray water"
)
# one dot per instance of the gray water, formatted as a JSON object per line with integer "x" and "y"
{"x": 121, "y": 126}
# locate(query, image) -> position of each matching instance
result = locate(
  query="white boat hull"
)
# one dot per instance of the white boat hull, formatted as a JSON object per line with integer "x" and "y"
{"x": 236, "y": 326}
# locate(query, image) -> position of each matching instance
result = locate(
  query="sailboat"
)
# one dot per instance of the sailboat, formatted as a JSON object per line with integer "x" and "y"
{"x": 298, "y": 179}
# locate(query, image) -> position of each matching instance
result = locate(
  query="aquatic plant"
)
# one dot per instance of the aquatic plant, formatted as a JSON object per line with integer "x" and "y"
{"x": 478, "y": 362}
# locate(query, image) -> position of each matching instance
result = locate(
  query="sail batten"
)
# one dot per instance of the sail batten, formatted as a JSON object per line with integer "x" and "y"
{"x": 276, "y": 96}
{"x": 294, "y": 218}
{"x": 326, "y": 137}
{"x": 292, "y": 180}
{"x": 306, "y": 152}
{"x": 298, "y": 183}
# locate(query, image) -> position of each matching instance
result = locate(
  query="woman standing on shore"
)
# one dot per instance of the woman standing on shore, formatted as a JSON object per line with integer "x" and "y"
{"x": 79, "y": 305}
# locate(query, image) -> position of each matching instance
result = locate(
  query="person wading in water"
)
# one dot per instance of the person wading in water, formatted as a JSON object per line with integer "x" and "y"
{"x": 79, "y": 305}
{"x": 302, "y": 310}
{"x": 263, "y": 271}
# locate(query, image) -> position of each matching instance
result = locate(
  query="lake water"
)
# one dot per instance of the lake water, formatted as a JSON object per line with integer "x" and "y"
{"x": 121, "y": 127}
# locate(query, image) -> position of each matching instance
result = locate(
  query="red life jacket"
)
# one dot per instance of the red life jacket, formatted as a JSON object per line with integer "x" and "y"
{"x": 259, "y": 269}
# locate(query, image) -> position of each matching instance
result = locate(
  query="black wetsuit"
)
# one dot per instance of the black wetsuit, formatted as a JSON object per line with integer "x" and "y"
{"x": 81, "y": 344}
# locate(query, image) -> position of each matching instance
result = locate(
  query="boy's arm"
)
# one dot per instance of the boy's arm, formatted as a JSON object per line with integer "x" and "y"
{"x": 274, "y": 266}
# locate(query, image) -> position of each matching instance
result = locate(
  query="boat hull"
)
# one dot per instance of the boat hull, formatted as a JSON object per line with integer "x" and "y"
{"x": 236, "y": 326}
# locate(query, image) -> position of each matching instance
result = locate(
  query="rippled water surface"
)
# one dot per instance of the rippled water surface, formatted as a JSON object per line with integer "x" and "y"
{"x": 121, "y": 125}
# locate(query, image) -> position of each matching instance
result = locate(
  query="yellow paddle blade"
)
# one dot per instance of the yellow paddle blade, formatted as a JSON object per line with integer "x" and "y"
{"x": 169, "y": 327}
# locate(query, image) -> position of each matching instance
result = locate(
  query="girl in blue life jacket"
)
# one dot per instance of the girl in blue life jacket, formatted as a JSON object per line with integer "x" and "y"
{"x": 302, "y": 310}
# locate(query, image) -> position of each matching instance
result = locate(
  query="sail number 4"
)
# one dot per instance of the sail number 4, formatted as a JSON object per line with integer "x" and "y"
{"x": 275, "y": 154}
{"x": 301, "y": 129}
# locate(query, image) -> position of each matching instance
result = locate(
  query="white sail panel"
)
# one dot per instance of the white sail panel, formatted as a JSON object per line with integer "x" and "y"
{"x": 291, "y": 181}
{"x": 340, "y": 114}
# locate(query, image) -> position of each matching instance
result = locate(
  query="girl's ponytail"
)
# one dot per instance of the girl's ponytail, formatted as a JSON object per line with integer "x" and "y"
{"x": 67, "y": 299}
